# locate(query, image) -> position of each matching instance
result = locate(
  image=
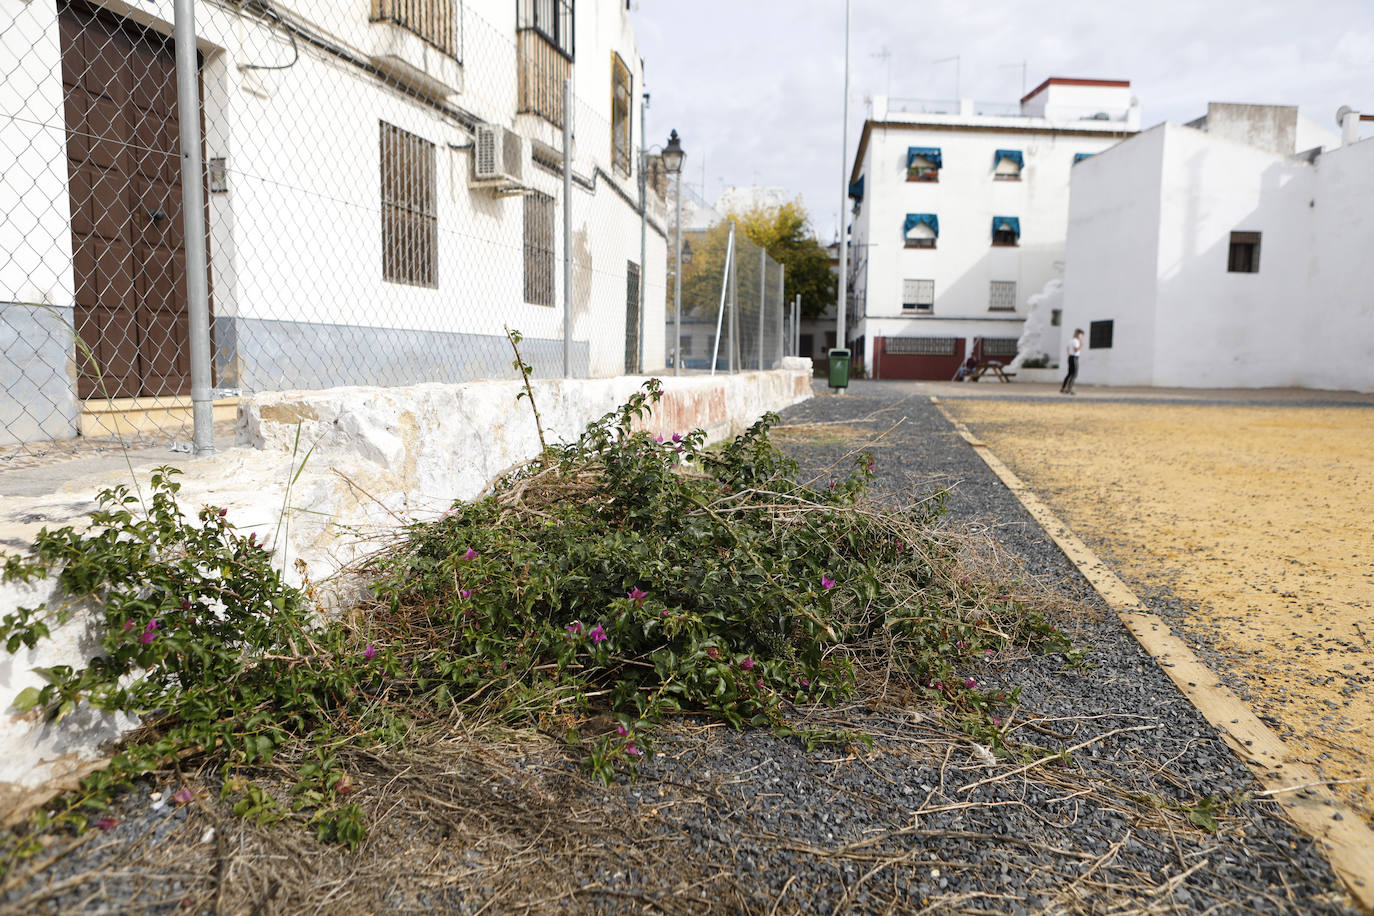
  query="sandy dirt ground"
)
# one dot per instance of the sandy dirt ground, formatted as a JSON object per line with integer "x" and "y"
{"x": 1260, "y": 520}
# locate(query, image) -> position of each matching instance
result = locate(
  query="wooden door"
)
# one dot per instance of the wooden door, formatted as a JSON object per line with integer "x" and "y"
{"x": 123, "y": 164}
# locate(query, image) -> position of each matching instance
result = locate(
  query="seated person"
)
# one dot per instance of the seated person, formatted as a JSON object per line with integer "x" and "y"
{"x": 966, "y": 369}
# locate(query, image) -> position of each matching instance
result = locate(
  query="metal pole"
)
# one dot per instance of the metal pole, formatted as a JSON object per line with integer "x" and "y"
{"x": 724, "y": 286}
{"x": 193, "y": 222}
{"x": 643, "y": 231}
{"x": 782, "y": 313}
{"x": 843, "y": 295}
{"x": 677, "y": 280}
{"x": 734, "y": 314}
{"x": 567, "y": 228}
{"x": 763, "y": 303}
{"x": 796, "y": 327}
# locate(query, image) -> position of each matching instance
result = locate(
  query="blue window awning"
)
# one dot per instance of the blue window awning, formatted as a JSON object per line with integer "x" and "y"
{"x": 930, "y": 154}
{"x": 1012, "y": 155}
{"x": 856, "y": 188}
{"x": 1004, "y": 223}
{"x": 1079, "y": 157}
{"x": 915, "y": 219}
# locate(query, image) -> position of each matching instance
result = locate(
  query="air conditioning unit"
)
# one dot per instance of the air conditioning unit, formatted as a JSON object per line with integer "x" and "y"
{"x": 498, "y": 159}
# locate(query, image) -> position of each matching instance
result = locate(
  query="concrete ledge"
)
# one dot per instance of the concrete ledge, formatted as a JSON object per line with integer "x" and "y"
{"x": 367, "y": 458}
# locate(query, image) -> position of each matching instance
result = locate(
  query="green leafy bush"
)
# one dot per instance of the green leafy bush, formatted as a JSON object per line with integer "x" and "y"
{"x": 614, "y": 582}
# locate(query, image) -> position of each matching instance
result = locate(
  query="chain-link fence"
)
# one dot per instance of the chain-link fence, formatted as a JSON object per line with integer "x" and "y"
{"x": 384, "y": 193}
{"x": 733, "y": 313}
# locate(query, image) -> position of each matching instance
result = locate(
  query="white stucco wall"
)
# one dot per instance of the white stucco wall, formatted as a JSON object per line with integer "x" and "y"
{"x": 297, "y": 237}
{"x": 1334, "y": 340}
{"x": 1110, "y": 258}
{"x": 1149, "y": 239}
{"x": 374, "y": 454}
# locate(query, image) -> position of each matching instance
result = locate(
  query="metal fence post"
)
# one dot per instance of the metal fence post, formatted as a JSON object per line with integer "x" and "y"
{"x": 567, "y": 227}
{"x": 724, "y": 288}
{"x": 193, "y": 219}
{"x": 782, "y": 312}
{"x": 763, "y": 302}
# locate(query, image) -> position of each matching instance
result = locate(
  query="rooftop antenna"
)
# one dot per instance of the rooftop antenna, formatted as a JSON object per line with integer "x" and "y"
{"x": 945, "y": 60}
{"x": 1022, "y": 65}
{"x": 885, "y": 56}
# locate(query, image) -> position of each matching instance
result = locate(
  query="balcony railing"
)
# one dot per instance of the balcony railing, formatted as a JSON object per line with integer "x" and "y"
{"x": 543, "y": 68}
{"x": 438, "y": 22}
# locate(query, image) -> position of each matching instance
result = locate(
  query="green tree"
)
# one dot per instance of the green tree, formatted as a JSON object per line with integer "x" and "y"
{"x": 786, "y": 233}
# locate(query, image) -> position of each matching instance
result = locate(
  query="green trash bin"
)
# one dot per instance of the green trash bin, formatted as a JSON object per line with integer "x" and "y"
{"x": 839, "y": 368}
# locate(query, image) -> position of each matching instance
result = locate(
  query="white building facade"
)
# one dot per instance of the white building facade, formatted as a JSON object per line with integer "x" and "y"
{"x": 384, "y": 196}
{"x": 961, "y": 215}
{"x": 1218, "y": 256}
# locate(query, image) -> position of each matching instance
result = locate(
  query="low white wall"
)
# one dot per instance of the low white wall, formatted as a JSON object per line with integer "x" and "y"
{"x": 374, "y": 454}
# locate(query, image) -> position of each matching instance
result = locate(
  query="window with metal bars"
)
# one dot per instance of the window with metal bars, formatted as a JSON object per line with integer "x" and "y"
{"x": 438, "y": 22}
{"x": 1100, "y": 335}
{"x": 410, "y": 223}
{"x": 922, "y": 346}
{"x": 999, "y": 347}
{"x": 551, "y": 18}
{"x": 918, "y": 296}
{"x": 1002, "y": 296}
{"x": 539, "y": 259}
{"x": 622, "y": 91}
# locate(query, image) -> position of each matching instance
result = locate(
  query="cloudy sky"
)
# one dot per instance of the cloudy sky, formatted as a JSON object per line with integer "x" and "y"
{"x": 755, "y": 87}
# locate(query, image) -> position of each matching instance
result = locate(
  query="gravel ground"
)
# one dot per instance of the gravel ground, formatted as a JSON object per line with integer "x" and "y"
{"x": 724, "y": 821}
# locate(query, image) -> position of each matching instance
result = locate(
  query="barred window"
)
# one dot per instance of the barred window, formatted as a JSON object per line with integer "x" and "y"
{"x": 621, "y": 93}
{"x": 999, "y": 346}
{"x": 1002, "y": 296}
{"x": 410, "y": 230}
{"x": 551, "y": 18}
{"x": 922, "y": 346}
{"x": 918, "y": 296}
{"x": 439, "y": 22}
{"x": 539, "y": 249}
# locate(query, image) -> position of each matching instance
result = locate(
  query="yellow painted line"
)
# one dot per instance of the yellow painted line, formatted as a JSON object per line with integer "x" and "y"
{"x": 1343, "y": 834}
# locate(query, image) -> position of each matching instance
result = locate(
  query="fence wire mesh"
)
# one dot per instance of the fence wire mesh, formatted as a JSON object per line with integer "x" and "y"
{"x": 384, "y": 195}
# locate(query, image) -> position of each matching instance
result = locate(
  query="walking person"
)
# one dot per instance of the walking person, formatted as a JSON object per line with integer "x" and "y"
{"x": 1075, "y": 347}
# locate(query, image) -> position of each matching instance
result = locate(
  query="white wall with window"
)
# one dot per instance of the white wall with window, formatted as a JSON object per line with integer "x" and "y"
{"x": 975, "y": 204}
{"x": 1222, "y": 265}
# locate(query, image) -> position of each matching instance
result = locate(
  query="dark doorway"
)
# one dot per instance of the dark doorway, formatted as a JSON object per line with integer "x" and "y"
{"x": 631, "y": 318}
{"x": 123, "y": 164}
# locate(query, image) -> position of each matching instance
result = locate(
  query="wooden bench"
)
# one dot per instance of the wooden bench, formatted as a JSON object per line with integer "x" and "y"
{"x": 990, "y": 366}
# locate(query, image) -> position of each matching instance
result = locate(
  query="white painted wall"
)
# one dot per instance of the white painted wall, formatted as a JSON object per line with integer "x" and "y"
{"x": 1149, "y": 237}
{"x": 966, "y": 198}
{"x": 298, "y": 235}
{"x": 35, "y": 237}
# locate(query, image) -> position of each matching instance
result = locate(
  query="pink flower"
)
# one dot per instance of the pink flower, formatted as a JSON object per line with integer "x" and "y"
{"x": 665, "y": 612}
{"x": 712, "y": 652}
{"x": 575, "y": 628}
{"x": 636, "y": 595}
{"x": 107, "y": 823}
{"x": 938, "y": 685}
{"x": 469, "y": 554}
{"x": 631, "y": 749}
{"x": 621, "y": 730}
{"x": 223, "y": 513}
{"x": 970, "y": 684}
{"x": 987, "y": 651}
{"x": 149, "y": 632}
{"x": 805, "y": 682}
{"x": 759, "y": 683}
{"x": 747, "y": 664}
{"x": 370, "y": 652}
{"x": 183, "y": 797}
{"x": 597, "y": 634}
{"x": 997, "y": 721}
{"x": 128, "y": 625}
{"x": 827, "y": 583}
{"x": 464, "y": 593}
{"x": 677, "y": 437}
{"x": 659, "y": 439}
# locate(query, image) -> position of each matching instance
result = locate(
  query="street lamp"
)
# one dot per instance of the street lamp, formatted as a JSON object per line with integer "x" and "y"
{"x": 672, "y": 162}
